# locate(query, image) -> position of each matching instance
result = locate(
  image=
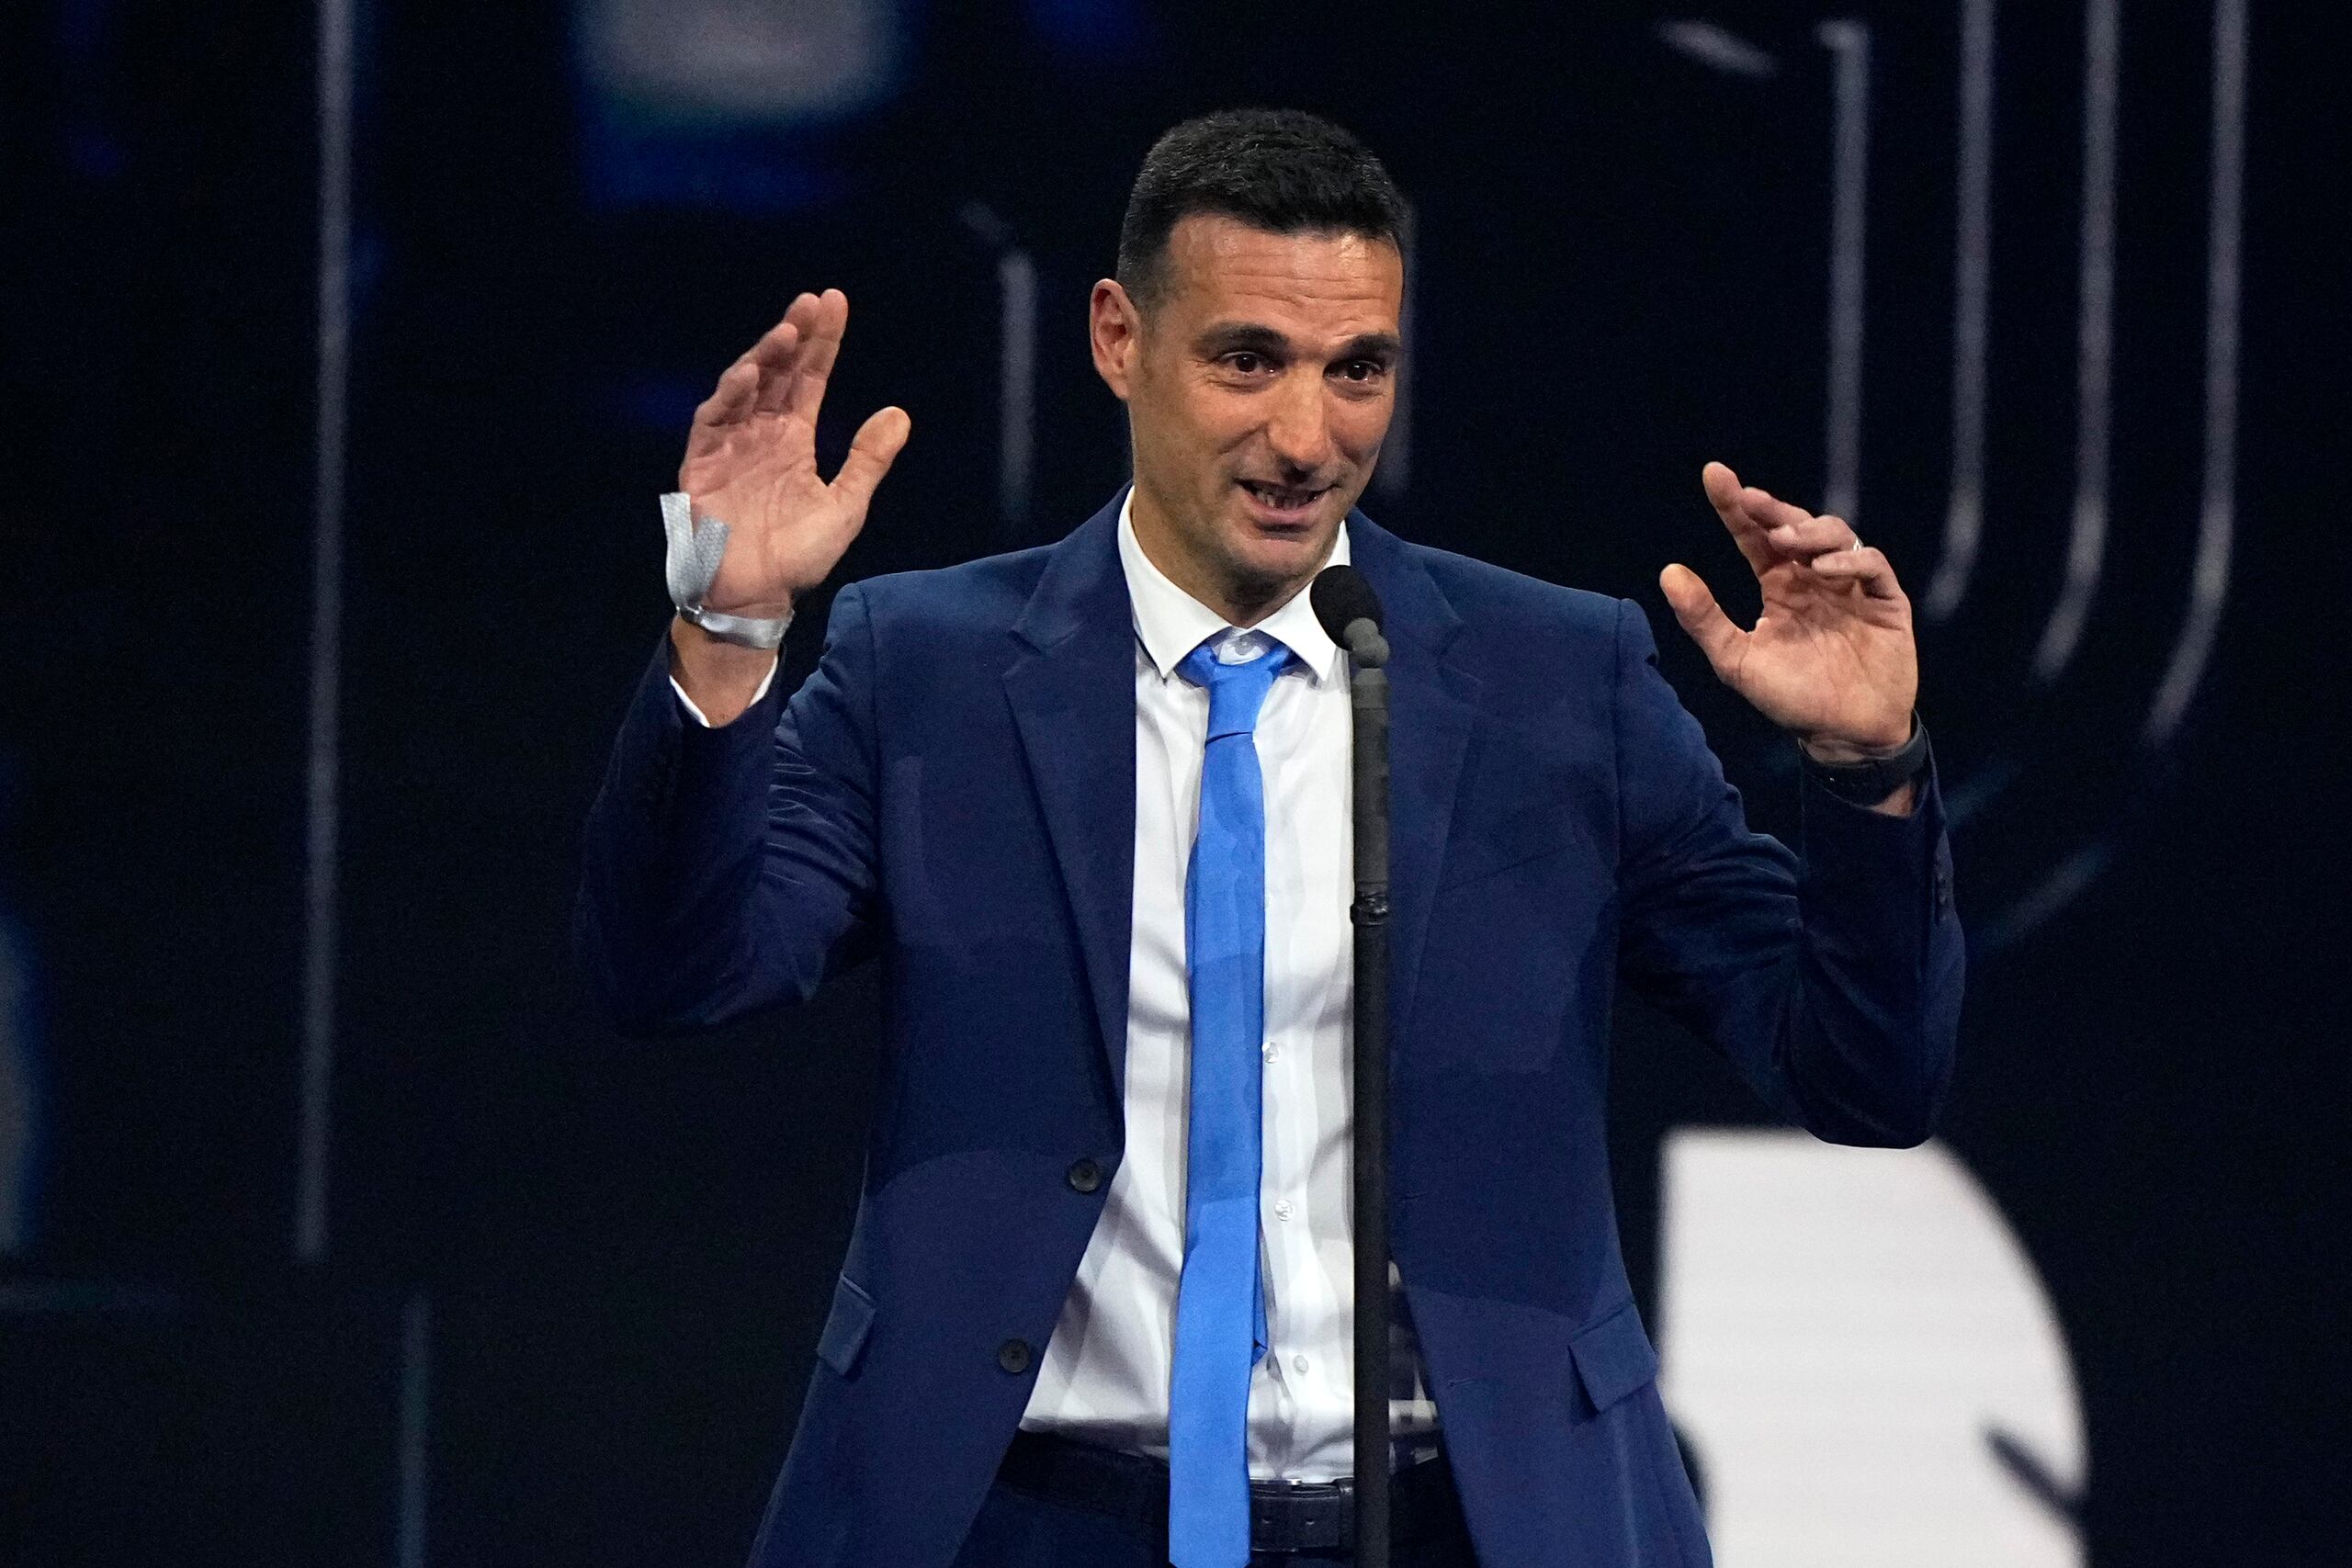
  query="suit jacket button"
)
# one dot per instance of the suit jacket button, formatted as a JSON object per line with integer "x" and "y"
{"x": 1013, "y": 1355}
{"x": 1085, "y": 1175}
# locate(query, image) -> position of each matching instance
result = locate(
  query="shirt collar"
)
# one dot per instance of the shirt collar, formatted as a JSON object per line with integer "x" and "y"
{"x": 1170, "y": 623}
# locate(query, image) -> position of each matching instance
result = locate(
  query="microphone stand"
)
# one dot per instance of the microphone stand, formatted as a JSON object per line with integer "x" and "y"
{"x": 1368, "y": 696}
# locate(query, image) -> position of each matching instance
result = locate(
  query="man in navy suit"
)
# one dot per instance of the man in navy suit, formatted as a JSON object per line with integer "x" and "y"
{"x": 992, "y": 786}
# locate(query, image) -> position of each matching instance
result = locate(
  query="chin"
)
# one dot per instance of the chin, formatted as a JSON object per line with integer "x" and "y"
{"x": 1279, "y": 557}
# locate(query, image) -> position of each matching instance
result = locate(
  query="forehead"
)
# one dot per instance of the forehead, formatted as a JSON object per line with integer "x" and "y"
{"x": 1308, "y": 285}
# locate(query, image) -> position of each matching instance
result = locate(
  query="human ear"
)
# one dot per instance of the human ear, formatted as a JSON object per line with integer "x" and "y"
{"x": 1114, "y": 330}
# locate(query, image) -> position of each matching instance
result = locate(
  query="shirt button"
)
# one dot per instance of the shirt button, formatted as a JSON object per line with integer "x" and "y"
{"x": 1013, "y": 1355}
{"x": 1084, "y": 1177}
{"x": 1299, "y": 1363}
{"x": 1272, "y": 1050}
{"x": 1281, "y": 1207}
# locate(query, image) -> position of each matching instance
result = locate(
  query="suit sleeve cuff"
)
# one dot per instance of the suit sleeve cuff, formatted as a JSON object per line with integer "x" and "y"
{"x": 1901, "y": 865}
{"x": 700, "y": 718}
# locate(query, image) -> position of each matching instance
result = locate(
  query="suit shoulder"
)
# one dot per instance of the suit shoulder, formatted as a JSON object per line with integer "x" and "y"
{"x": 974, "y": 596}
{"x": 1489, "y": 595}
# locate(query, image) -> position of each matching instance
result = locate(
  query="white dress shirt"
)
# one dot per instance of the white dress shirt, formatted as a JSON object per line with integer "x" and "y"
{"x": 1105, "y": 1375}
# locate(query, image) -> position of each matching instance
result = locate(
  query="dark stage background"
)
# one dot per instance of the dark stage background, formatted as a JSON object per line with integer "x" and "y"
{"x": 560, "y": 1301}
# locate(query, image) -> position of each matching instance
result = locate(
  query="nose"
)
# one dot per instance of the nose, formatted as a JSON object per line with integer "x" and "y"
{"x": 1299, "y": 426}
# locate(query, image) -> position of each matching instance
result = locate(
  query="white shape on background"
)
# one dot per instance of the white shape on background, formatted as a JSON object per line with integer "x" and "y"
{"x": 1842, "y": 1329}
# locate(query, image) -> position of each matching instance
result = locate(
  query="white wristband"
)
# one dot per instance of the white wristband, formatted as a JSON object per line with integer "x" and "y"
{"x": 691, "y": 562}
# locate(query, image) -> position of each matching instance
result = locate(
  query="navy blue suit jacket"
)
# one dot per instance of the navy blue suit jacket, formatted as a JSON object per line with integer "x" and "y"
{"x": 952, "y": 793}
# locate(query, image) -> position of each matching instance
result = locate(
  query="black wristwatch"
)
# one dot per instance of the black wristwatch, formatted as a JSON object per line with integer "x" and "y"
{"x": 1870, "y": 781}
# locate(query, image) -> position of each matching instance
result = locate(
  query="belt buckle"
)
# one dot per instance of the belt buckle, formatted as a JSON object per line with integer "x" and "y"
{"x": 1301, "y": 1515}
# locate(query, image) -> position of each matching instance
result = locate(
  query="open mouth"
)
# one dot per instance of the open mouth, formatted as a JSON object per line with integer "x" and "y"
{"x": 1286, "y": 505}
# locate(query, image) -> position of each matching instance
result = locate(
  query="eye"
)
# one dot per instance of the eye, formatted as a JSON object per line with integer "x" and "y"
{"x": 1246, "y": 362}
{"x": 1363, "y": 372}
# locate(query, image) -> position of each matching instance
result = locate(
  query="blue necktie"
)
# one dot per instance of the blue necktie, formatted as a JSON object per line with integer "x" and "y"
{"x": 1220, "y": 1307}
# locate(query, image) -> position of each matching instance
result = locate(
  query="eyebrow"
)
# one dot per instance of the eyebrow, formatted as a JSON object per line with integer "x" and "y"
{"x": 1251, "y": 337}
{"x": 1236, "y": 337}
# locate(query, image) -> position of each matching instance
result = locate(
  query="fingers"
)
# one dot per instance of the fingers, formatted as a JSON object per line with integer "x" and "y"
{"x": 787, "y": 369}
{"x": 1722, "y": 486}
{"x": 1725, "y": 493}
{"x": 1770, "y": 531}
{"x": 1767, "y": 512}
{"x": 876, "y": 447}
{"x": 773, "y": 353}
{"x": 796, "y": 358}
{"x": 729, "y": 402}
{"x": 741, "y": 383}
{"x": 1868, "y": 567}
{"x": 783, "y": 351}
{"x": 1695, "y": 607}
{"x": 1807, "y": 537}
{"x": 821, "y": 346}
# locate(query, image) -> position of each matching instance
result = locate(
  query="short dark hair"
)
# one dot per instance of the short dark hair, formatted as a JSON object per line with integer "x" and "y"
{"x": 1283, "y": 171}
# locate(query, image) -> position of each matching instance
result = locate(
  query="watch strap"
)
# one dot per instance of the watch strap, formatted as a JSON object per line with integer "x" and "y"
{"x": 746, "y": 630}
{"x": 691, "y": 562}
{"x": 1871, "y": 780}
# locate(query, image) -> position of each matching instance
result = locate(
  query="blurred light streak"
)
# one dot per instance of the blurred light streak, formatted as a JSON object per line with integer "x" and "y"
{"x": 321, "y": 933}
{"x": 1395, "y": 473}
{"x": 1850, "y": 90}
{"x": 2095, "y": 368}
{"x": 417, "y": 1396}
{"x": 1971, "y": 274}
{"x": 1718, "y": 49}
{"x": 728, "y": 62}
{"x": 2216, "y": 525}
{"x": 1016, "y": 281}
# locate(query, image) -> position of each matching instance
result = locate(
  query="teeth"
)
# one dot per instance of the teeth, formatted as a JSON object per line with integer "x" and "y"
{"x": 1282, "y": 498}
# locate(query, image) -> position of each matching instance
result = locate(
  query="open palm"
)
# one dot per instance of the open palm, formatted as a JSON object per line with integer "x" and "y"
{"x": 1831, "y": 656}
{"x": 751, "y": 462}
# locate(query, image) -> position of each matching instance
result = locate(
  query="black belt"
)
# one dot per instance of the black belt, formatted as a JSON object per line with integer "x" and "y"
{"x": 1285, "y": 1516}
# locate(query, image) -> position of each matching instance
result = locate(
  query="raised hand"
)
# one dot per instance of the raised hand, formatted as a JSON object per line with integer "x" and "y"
{"x": 751, "y": 462}
{"x": 1831, "y": 656}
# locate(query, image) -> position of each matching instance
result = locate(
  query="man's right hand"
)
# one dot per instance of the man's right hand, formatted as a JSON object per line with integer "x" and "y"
{"x": 751, "y": 462}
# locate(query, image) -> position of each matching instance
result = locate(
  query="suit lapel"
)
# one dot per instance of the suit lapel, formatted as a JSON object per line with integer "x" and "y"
{"x": 1073, "y": 698}
{"x": 1072, "y": 693}
{"x": 1431, "y": 704}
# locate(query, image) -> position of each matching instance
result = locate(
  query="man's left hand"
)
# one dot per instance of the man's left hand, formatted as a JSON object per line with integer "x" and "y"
{"x": 1831, "y": 658}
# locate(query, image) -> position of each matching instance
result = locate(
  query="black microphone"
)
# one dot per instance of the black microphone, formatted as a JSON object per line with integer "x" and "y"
{"x": 1349, "y": 612}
